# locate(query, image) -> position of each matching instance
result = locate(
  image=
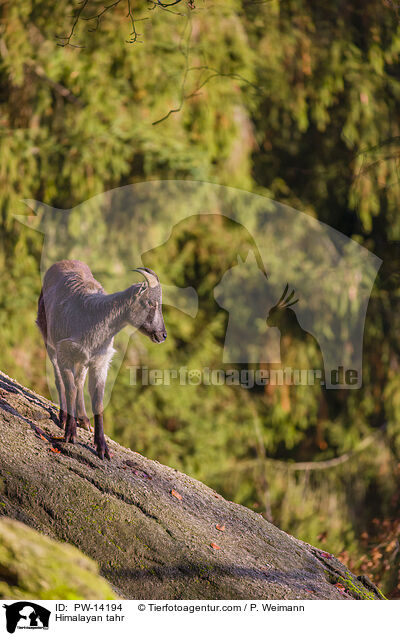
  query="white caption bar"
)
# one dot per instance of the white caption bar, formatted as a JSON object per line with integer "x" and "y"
{"x": 173, "y": 618}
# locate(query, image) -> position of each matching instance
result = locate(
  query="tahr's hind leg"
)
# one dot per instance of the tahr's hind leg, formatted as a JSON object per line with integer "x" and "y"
{"x": 62, "y": 416}
{"x": 70, "y": 390}
{"x": 80, "y": 377}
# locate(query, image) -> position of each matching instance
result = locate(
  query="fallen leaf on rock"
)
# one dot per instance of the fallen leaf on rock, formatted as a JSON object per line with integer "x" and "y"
{"x": 220, "y": 528}
{"x": 215, "y": 546}
{"x": 176, "y": 494}
{"x": 326, "y": 555}
{"x": 40, "y": 432}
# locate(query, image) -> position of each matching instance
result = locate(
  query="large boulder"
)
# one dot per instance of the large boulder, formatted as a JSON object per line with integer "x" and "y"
{"x": 34, "y": 566}
{"x": 155, "y": 533}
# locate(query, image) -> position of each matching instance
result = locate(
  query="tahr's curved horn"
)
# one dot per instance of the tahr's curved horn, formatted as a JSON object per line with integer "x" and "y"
{"x": 150, "y": 276}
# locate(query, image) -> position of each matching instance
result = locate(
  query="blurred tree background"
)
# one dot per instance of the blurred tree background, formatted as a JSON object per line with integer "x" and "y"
{"x": 297, "y": 100}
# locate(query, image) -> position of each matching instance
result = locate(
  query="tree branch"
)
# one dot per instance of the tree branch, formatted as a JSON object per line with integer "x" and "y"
{"x": 59, "y": 88}
{"x": 106, "y": 8}
{"x": 67, "y": 38}
{"x": 215, "y": 73}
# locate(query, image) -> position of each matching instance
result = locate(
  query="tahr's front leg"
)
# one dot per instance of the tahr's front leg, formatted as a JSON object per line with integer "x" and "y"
{"x": 99, "y": 439}
{"x": 97, "y": 382}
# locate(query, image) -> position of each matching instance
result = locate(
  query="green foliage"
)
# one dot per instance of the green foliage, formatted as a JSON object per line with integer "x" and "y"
{"x": 297, "y": 100}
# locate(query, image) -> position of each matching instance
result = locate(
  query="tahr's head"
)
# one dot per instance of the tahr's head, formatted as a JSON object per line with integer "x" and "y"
{"x": 146, "y": 311}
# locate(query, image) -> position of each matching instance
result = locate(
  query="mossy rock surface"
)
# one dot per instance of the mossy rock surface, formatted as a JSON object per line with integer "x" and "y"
{"x": 151, "y": 529}
{"x": 33, "y": 566}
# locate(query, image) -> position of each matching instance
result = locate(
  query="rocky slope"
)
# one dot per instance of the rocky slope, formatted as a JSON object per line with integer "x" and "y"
{"x": 155, "y": 533}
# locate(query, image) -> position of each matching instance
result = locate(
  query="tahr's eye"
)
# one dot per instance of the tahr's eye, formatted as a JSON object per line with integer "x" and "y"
{"x": 147, "y": 304}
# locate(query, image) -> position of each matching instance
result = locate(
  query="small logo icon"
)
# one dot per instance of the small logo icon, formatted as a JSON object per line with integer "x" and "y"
{"x": 26, "y": 615}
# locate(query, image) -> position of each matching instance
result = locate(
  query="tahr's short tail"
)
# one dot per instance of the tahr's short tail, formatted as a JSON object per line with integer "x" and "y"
{"x": 41, "y": 316}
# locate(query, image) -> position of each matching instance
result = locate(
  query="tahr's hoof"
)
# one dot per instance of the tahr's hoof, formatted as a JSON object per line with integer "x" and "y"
{"x": 62, "y": 418}
{"x": 102, "y": 451}
{"x": 70, "y": 430}
{"x": 84, "y": 422}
